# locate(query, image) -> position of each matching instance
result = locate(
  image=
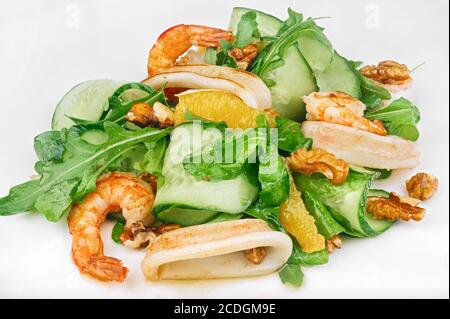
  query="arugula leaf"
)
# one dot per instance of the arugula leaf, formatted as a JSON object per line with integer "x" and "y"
{"x": 291, "y": 274}
{"x": 273, "y": 176}
{"x": 117, "y": 231}
{"x": 325, "y": 222}
{"x": 290, "y": 136}
{"x": 299, "y": 257}
{"x": 400, "y": 118}
{"x": 269, "y": 214}
{"x": 49, "y": 146}
{"x": 270, "y": 57}
{"x": 118, "y": 108}
{"x": 294, "y": 18}
{"x": 223, "y": 58}
{"x": 226, "y": 158}
{"x": 371, "y": 101}
{"x": 369, "y": 87}
{"x": 153, "y": 158}
{"x": 70, "y": 180}
{"x": 247, "y": 30}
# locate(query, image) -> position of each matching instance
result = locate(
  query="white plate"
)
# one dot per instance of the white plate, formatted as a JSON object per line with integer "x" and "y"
{"x": 48, "y": 46}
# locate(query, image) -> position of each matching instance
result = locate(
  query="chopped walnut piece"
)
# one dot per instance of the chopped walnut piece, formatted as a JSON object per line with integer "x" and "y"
{"x": 245, "y": 56}
{"x": 422, "y": 186}
{"x": 387, "y": 72}
{"x": 158, "y": 115}
{"x": 255, "y": 255}
{"x": 137, "y": 236}
{"x": 334, "y": 242}
{"x": 319, "y": 160}
{"x": 164, "y": 228}
{"x": 393, "y": 208}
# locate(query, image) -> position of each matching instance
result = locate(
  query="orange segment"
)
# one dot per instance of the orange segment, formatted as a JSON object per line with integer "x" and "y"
{"x": 299, "y": 223}
{"x": 215, "y": 105}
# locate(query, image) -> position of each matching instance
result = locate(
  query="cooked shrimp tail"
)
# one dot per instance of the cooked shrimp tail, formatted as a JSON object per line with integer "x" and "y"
{"x": 175, "y": 41}
{"x": 114, "y": 192}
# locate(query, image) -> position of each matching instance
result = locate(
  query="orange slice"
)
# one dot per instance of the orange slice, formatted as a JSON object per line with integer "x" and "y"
{"x": 216, "y": 105}
{"x": 299, "y": 223}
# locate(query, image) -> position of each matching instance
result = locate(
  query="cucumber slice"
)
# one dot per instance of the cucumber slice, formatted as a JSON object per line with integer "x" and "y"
{"x": 86, "y": 101}
{"x": 292, "y": 80}
{"x": 377, "y": 193}
{"x": 339, "y": 76}
{"x": 201, "y": 200}
{"x": 378, "y": 225}
{"x": 316, "y": 49}
{"x": 95, "y": 137}
{"x": 267, "y": 25}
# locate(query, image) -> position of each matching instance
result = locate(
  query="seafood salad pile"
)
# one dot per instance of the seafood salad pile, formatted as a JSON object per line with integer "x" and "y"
{"x": 244, "y": 152}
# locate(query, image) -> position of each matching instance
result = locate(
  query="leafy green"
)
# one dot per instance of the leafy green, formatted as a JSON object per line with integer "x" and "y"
{"x": 290, "y": 136}
{"x": 299, "y": 257}
{"x": 273, "y": 176}
{"x": 226, "y": 158}
{"x": 346, "y": 202}
{"x": 247, "y": 30}
{"x": 400, "y": 118}
{"x": 369, "y": 87}
{"x": 210, "y": 56}
{"x": 224, "y": 217}
{"x": 118, "y": 217}
{"x": 118, "y": 108}
{"x": 223, "y": 57}
{"x": 269, "y": 214}
{"x": 291, "y": 274}
{"x": 371, "y": 101}
{"x": 117, "y": 231}
{"x": 153, "y": 158}
{"x": 68, "y": 181}
{"x": 382, "y": 173}
{"x": 49, "y": 146}
{"x": 325, "y": 223}
{"x": 291, "y": 31}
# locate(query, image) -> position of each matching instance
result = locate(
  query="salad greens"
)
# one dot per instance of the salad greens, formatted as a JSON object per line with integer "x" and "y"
{"x": 325, "y": 222}
{"x": 290, "y": 136}
{"x": 118, "y": 229}
{"x": 247, "y": 30}
{"x": 65, "y": 181}
{"x": 400, "y": 118}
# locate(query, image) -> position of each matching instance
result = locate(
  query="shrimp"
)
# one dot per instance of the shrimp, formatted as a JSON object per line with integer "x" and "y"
{"x": 391, "y": 75}
{"x": 114, "y": 192}
{"x": 175, "y": 41}
{"x": 340, "y": 108}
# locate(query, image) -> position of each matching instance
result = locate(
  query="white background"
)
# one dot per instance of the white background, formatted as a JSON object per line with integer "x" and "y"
{"x": 46, "y": 47}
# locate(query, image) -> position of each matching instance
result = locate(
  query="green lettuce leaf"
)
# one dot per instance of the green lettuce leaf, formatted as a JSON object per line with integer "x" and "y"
{"x": 290, "y": 136}
{"x": 400, "y": 118}
{"x": 291, "y": 274}
{"x": 70, "y": 180}
{"x": 325, "y": 222}
{"x": 247, "y": 30}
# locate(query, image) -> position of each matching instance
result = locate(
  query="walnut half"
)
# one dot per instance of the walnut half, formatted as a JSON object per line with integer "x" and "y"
{"x": 393, "y": 208}
{"x": 255, "y": 255}
{"x": 333, "y": 243}
{"x": 158, "y": 115}
{"x": 422, "y": 186}
{"x": 319, "y": 160}
{"x": 387, "y": 72}
{"x": 245, "y": 56}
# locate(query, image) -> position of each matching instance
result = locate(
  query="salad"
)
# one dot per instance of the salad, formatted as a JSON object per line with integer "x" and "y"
{"x": 245, "y": 151}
